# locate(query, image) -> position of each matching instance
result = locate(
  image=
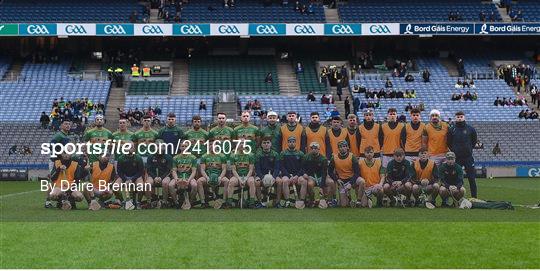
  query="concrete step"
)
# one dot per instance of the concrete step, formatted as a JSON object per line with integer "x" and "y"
{"x": 154, "y": 16}
{"x": 288, "y": 83}
{"x": 331, "y": 15}
{"x": 14, "y": 71}
{"x": 180, "y": 76}
{"x": 116, "y": 99}
{"x": 504, "y": 15}
{"x": 450, "y": 66}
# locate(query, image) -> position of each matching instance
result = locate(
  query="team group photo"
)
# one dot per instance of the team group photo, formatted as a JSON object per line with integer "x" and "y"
{"x": 269, "y": 134}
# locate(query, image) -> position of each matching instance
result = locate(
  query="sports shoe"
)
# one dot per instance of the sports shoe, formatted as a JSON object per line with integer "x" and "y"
{"x": 205, "y": 205}
{"x": 259, "y": 205}
{"x": 128, "y": 205}
{"x": 279, "y": 206}
{"x": 332, "y": 203}
{"x": 288, "y": 204}
{"x": 369, "y": 203}
{"x": 48, "y": 204}
{"x": 66, "y": 205}
{"x": 323, "y": 204}
{"x": 94, "y": 205}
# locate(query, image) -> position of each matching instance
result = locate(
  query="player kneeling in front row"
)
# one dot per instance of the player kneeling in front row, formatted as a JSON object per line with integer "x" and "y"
{"x": 213, "y": 170}
{"x": 315, "y": 168}
{"x": 158, "y": 168}
{"x": 267, "y": 169}
{"x": 130, "y": 171}
{"x": 64, "y": 174}
{"x": 398, "y": 185}
{"x": 183, "y": 178}
{"x": 292, "y": 174}
{"x": 372, "y": 175}
{"x": 344, "y": 171}
{"x": 425, "y": 188}
{"x": 451, "y": 175}
{"x": 102, "y": 173}
{"x": 243, "y": 170}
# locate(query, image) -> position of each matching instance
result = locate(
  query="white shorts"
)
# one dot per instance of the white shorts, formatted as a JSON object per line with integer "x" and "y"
{"x": 371, "y": 190}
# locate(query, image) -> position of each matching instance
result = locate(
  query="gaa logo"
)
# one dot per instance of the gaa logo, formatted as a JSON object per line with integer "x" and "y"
{"x": 152, "y": 29}
{"x": 228, "y": 29}
{"x": 266, "y": 29}
{"x": 304, "y": 29}
{"x": 75, "y": 29}
{"x": 379, "y": 29}
{"x": 114, "y": 29}
{"x": 342, "y": 29}
{"x": 190, "y": 30}
{"x": 36, "y": 29}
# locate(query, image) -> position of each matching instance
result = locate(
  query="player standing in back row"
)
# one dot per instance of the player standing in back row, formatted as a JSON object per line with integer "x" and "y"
{"x": 461, "y": 138}
{"x": 435, "y": 137}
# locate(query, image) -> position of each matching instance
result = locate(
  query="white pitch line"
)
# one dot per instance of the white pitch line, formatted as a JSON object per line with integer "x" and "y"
{"x": 18, "y": 194}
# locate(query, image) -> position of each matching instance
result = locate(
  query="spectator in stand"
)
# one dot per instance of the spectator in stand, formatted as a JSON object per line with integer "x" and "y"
{"x": 467, "y": 96}
{"x": 475, "y": 96}
{"x": 399, "y": 94}
{"x": 202, "y": 106}
{"x": 522, "y": 114}
{"x": 363, "y": 105}
{"x": 268, "y": 79}
{"x": 324, "y": 99}
{"x": 413, "y": 93}
{"x": 408, "y": 107}
{"x": 402, "y": 118}
{"x": 425, "y": 75}
{"x": 44, "y": 120}
{"x": 392, "y": 94}
{"x": 330, "y": 99}
{"x": 12, "y": 150}
{"x": 299, "y": 67}
{"x": 311, "y": 97}
{"x": 471, "y": 83}
{"x": 497, "y": 102}
{"x": 482, "y": 16}
{"x": 496, "y": 150}
{"x": 456, "y": 97}
{"x": 356, "y": 105}
{"x": 334, "y": 113}
{"x": 339, "y": 89}
{"x": 347, "y": 105}
{"x": 458, "y": 84}
{"x": 409, "y": 78}
{"x": 388, "y": 83}
{"x": 328, "y": 114}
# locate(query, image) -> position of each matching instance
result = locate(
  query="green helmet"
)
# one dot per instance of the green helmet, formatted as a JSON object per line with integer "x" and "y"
{"x": 214, "y": 179}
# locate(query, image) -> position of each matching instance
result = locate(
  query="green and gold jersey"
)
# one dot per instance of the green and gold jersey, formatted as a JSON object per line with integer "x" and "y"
{"x": 184, "y": 163}
{"x": 213, "y": 163}
{"x": 242, "y": 162}
{"x": 146, "y": 137}
{"x": 121, "y": 137}
{"x": 270, "y": 131}
{"x": 96, "y": 136}
{"x": 200, "y": 135}
{"x": 249, "y": 132}
{"x": 221, "y": 133}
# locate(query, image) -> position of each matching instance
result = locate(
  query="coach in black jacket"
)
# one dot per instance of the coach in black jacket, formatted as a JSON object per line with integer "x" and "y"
{"x": 461, "y": 139}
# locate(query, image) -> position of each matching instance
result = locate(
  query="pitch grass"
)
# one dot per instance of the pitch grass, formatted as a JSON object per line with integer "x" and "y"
{"x": 33, "y": 237}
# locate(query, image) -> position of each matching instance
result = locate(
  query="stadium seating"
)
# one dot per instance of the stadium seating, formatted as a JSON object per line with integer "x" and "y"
{"x": 412, "y": 11}
{"x": 437, "y": 93}
{"x": 530, "y": 9}
{"x": 251, "y": 11}
{"x": 4, "y": 65}
{"x": 23, "y": 134}
{"x": 183, "y": 106}
{"x": 102, "y": 11}
{"x": 309, "y": 78}
{"x": 245, "y": 75}
{"x": 154, "y": 87}
{"x": 40, "y": 85}
{"x": 284, "y": 104}
{"x": 517, "y": 140}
